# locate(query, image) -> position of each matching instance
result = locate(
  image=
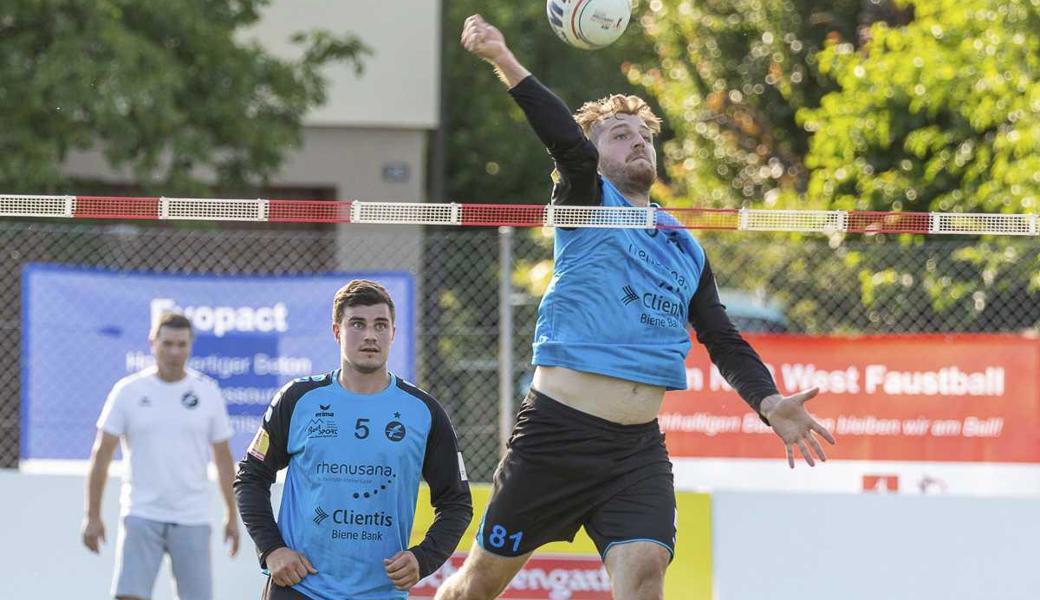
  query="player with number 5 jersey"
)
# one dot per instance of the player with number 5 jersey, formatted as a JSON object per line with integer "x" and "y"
{"x": 355, "y": 443}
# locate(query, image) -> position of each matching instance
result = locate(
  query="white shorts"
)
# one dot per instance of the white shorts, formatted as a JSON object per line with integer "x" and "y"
{"x": 139, "y": 552}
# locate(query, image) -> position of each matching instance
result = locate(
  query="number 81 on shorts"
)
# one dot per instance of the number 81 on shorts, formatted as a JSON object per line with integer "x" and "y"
{"x": 500, "y": 537}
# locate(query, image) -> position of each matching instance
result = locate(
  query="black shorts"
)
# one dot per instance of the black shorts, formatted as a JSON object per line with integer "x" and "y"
{"x": 273, "y": 591}
{"x": 565, "y": 469}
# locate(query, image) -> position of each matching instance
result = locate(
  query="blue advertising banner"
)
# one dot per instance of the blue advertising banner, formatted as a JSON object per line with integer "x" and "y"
{"x": 84, "y": 329}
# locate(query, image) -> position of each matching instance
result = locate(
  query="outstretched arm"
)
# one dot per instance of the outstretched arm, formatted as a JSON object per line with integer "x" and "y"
{"x": 740, "y": 365}
{"x": 576, "y": 158}
{"x": 736, "y": 360}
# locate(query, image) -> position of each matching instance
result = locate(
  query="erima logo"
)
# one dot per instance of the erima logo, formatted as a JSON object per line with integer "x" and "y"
{"x": 325, "y": 406}
{"x": 630, "y": 295}
{"x": 319, "y": 515}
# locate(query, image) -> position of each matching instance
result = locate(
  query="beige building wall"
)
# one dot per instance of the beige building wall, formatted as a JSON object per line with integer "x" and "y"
{"x": 369, "y": 141}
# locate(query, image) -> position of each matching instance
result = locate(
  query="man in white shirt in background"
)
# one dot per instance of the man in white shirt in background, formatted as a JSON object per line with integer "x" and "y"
{"x": 169, "y": 418}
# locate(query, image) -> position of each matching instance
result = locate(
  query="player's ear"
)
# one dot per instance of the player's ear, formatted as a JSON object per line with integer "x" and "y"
{"x": 335, "y": 331}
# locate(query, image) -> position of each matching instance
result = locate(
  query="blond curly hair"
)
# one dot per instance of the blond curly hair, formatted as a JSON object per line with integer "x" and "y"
{"x": 591, "y": 113}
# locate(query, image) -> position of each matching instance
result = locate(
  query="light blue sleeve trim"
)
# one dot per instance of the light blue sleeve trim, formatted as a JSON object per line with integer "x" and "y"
{"x": 671, "y": 552}
{"x": 479, "y": 538}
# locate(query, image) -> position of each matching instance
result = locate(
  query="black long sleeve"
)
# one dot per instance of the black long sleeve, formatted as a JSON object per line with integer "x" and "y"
{"x": 257, "y": 471}
{"x": 738, "y": 362}
{"x": 576, "y": 158}
{"x": 253, "y": 494}
{"x": 444, "y": 472}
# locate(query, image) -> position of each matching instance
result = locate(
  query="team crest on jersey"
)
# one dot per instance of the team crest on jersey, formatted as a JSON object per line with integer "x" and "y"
{"x": 258, "y": 449}
{"x": 395, "y": 430}
{"x": 189, "y": 400}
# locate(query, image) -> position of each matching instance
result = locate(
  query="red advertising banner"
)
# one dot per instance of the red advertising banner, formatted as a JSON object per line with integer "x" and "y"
{"x": 968, "y": 398}
{"x": 544, "y": 577}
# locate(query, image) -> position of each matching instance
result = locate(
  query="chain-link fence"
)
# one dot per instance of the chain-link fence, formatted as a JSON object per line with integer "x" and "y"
{"x": 770, "y": 283}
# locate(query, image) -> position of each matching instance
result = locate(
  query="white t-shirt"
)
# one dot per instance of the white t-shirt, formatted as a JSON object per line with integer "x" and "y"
{"x": 167, "y": 432}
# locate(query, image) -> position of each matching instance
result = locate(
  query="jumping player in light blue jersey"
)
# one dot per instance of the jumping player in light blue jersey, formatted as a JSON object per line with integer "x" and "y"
{"x": 611, "y": 338}
{"x": 355, "y": 443}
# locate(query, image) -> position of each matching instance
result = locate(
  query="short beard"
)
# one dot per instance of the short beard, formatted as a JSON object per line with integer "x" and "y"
{"x": 633, "y": 181}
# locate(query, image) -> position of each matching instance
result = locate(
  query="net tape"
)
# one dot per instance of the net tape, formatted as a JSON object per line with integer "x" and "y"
{"x": 492, "y": 215}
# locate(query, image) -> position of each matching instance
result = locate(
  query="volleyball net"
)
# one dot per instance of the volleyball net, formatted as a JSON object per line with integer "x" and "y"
{"x": 515, "y": 215}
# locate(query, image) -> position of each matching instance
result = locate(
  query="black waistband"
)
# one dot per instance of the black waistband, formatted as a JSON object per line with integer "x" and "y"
{"x": 545, "y": 405}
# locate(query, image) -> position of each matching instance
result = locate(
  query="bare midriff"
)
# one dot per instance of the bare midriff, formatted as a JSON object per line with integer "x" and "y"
{"x": 616, "y": 400}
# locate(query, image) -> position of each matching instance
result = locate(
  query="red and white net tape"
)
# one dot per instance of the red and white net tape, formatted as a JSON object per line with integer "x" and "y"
{"x": 492, "y": 215}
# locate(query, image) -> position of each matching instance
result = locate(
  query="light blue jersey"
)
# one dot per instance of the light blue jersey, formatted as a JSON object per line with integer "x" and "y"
{"x": 619, "y": 299}
{"x": 353, "y": 465}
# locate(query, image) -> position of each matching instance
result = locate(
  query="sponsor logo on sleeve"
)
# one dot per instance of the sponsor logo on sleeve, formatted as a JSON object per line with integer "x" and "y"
{"x": 258, "y": 449}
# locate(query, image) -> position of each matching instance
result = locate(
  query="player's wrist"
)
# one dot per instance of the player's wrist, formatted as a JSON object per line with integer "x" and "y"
{"x": 265, "y": 555}
{"x": 509, "y": 69}
{"x": 768, "y": 404}
{"x": 503, "y": 58}
{"x": 420, "y": 561}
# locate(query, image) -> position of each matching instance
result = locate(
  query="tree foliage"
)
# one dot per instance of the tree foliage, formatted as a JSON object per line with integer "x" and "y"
{"x": 942, "y": 114}
{"x": 164, "y": 89}
{"x": 909, "y": 105}
{"x": 731, "y": 76}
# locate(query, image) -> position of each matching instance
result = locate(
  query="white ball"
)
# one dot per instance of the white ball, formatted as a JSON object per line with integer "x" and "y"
{"x": 588, "y": 24}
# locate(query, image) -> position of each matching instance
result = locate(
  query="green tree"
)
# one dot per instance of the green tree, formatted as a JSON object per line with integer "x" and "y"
{"x": 925, "y": 105}
{"x": 162, "y": 88}
{"x": 940, "y": 115}
{"x": 730, "y": 77}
